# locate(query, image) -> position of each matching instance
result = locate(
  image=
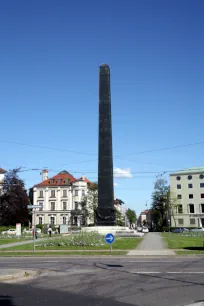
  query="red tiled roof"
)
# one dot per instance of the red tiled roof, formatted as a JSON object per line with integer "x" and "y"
{"x": 84, "y": 179}
{"x": 62, "y": 175}
{"x": 2, "y": 171}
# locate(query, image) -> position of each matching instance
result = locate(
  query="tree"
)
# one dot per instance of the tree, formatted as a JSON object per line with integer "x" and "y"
{"x": 120, "y": 220}
{"x": 160, "y": 203}
{"x": 131, "y": 215}
{"x": 14, "y": 201}
{"x": 90, "y": 203}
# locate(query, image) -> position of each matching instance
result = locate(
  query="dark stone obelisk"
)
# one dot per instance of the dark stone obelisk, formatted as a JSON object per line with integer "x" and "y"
{"x": 105, "y": 214}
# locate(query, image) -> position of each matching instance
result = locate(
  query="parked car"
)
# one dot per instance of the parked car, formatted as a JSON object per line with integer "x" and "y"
{"x": 9, "y": 232}
{"x": 145, "y": 229}
{"x": 139, "y": 229}
{"x": 180, "y": 230}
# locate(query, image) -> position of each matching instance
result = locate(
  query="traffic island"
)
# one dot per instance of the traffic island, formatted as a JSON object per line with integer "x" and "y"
{"x": 12, "y": 275}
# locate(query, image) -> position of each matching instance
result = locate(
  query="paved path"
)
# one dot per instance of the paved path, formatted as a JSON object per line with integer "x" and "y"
{"x": 10, "y": 245}
{"x": 152, "y": 244}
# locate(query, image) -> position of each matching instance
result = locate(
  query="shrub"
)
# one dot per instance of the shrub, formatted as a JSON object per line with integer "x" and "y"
{"x": 82, "y": 239}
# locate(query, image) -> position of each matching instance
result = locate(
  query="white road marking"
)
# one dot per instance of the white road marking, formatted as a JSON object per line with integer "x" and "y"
{"x": 168, "y": 272}
{"x": 157, "y": 261}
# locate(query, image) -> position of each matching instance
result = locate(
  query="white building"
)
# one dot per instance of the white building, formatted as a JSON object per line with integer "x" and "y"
{"x": 2, "y": 174}
{"x": 187, "y": 192}
{"x": 59, "y": 196}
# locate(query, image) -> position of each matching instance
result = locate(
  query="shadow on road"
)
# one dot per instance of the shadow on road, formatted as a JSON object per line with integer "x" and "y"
{"x": 6, "y": 301}
{"x": 25, "y": 294}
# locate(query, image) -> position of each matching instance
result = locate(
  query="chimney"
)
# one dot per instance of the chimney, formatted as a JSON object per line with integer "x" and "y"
{"x": 44, "y": 174}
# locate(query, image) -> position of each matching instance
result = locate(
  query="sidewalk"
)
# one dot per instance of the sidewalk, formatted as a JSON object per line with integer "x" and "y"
{"x": 13, "y": 244}
{"x": 152, "y": 244}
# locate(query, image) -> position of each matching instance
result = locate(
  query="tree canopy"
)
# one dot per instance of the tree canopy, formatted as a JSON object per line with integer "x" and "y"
{"x": 160, "y": 203}
{"x": 14, "y": 200}
{"x": 131, "y": 215}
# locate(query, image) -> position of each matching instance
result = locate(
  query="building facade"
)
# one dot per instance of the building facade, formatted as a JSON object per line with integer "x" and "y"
{"x": 59, "y": 196}
{"x": 2, "y": 174}
{"x": 187, "y": 196}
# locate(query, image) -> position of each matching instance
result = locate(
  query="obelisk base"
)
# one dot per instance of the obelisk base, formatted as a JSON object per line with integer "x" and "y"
{"x": 120, "y": 231}
{"x": 105, "y": 216}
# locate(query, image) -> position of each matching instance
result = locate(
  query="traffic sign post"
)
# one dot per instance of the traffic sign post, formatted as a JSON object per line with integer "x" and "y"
{"x": 33, "y": 207}
{"x": 109, "y": 238}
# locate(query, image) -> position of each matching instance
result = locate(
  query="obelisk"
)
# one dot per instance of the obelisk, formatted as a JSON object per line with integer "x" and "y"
{"x": 105, "y": 214}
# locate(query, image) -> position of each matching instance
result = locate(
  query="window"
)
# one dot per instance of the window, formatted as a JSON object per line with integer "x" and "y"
{"x": 180, "y": 221}
{"x": 201, "y": 176}
{"x": 202, "y": 208}
{"x": 41, "y": 193}
{"x": 179, "y": 196}
{"x": 66, "y": 181}
{"x": 40, "y": 220}
{"x": 64, "y": 193}
{"x": 41, "y": 204}
{"x": 191, "y": 208}
{"x": 190, "y": 177}
{"x": 64, "y": 205}
{"x": 52, "y": 193}
{"x": 52, "y": 220}
{"x": 180, "y": 209}
{"x": 201, "y": 185}
{"x": 178, "y": 178}
{"x": 76, "y": 192}
{"x": 192, "y": 221}
{"x": 83, "y": 193}
{"x": 51, "y": 181}
{"x": 76, "y": 205}
{"x": 59, "y": 181}
{"x": 64, "y": 220}
{"x": 52, "y": 205}
{"x": 190, "y": 185}
{"x": 178, "y": 186}
{"x": 190, "y": 196}
{"x": 202, "y": 195}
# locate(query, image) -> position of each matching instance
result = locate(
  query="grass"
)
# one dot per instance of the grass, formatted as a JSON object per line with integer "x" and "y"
{"x": 184, "y": 244}
{"x": 119, "y": 244}
{"x": 47, "y": 253}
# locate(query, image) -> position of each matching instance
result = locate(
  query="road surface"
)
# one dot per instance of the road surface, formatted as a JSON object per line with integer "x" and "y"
{"x": 89, "y": 281}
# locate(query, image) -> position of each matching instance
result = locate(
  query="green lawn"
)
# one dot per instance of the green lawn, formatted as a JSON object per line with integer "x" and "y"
{"x": 10, "y": 240}
{"x": 119, "y": 244}
{"x": 177, "y": 241}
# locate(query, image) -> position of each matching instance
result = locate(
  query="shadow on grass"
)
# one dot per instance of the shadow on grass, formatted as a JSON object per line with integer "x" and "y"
{"x": 194, "y": 248}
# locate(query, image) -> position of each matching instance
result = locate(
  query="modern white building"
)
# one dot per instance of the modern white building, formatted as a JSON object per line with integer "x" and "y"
{"x": 59, "y": 196}
{"x": 2, "y": 174}
{"x": 187, "y": 193}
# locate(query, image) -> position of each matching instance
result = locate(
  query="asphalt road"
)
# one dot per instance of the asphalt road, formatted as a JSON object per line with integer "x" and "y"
{"x": 169, "y": 281}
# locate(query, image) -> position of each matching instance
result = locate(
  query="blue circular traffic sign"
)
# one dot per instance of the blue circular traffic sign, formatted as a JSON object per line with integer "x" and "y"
{"x": 109, "y": 238}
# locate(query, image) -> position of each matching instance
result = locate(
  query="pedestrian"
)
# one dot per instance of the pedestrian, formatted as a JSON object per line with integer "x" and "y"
{"x": 50, "y": 231}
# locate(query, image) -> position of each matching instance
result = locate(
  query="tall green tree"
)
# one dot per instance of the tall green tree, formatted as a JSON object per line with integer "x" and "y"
{"x": 120, "y": 219}
{"x": 131, "y": 215}
{"x": 160, "y": 203}
{"x": 90, "y": 203}
{"x": 14, "y": 200}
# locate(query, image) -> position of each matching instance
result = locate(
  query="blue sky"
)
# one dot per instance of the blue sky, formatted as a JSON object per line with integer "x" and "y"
{"x": 49, "y": 58}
